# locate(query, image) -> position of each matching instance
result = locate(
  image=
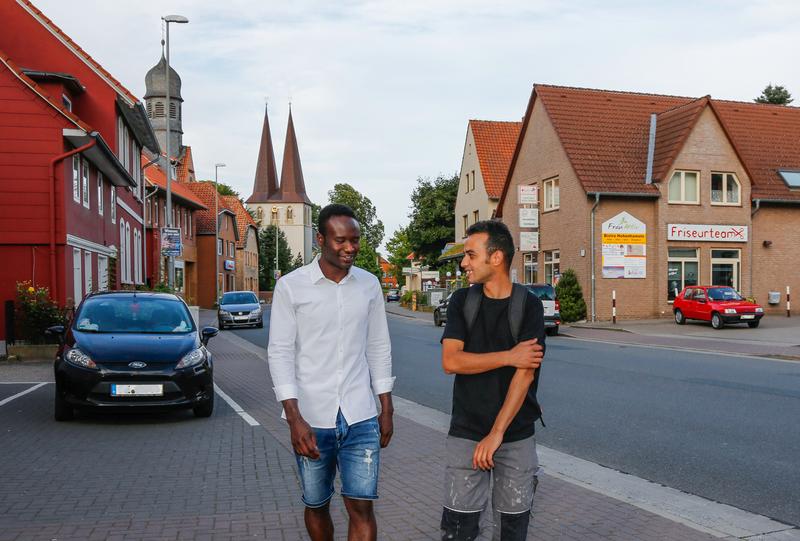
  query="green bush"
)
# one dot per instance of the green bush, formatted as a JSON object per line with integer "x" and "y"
{"x": 570, "y": 296}
{"x": 406, "y": 298}
{"x": 35, "y": 312}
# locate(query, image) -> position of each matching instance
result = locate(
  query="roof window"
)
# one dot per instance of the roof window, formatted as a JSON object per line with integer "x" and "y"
{"x": 791, "y": 178}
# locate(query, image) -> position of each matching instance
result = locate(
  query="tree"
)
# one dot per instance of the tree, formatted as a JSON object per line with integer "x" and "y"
{"x": 371, "y": 226}
{"x": 266, "y": 257}
{"x": 570, "y": 296}
{"x": 298, "y": 261}
{"x": 367, "y": 259}
{"x": 398, "y": 248}
{"x": 775, "y": 94}
{"x": 224, "y": 189}
{"x": 432, "y": 217}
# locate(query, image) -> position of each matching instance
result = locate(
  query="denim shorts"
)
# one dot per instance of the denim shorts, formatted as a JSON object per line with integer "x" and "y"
{"x": 355, "y": 450}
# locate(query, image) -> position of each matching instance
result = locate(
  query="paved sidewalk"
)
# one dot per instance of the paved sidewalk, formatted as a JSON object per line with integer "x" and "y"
{"x": 412, "y": 467}
{"x": 396, "y": 309}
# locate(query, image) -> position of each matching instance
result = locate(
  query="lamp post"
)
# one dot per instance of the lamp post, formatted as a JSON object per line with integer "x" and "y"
{"x": 180, "y": 19}
{"x": 216, "y": 226}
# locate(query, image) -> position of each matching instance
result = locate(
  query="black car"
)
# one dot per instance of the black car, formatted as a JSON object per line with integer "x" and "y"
{"x": 393, "y": 295}
{"x": 128, "y": 350}
{"x": 440, "y": 312}
{"x": 240, "y": 309}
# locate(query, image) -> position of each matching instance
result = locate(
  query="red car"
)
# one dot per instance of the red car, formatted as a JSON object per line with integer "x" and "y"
{"x": 717, "y": 304}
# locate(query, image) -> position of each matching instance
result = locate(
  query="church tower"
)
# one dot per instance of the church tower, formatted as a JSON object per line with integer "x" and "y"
{"x": 159, "y": 111}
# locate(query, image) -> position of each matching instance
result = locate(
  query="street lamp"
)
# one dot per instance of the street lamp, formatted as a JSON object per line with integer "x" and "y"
{"x": 180, "y": 19}
{"x": 216, "y": 225}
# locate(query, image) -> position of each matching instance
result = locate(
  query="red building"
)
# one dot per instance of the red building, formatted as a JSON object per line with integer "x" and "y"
{"x": 388, "y": 279}
{"x": 71, "y": 184}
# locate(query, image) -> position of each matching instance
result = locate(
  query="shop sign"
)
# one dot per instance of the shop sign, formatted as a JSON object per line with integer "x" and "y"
{"x": 529, "y": 217}
{"x": 528, "y": 195}
{"x": 230, "y": 265}
{"x": 171, "y": 242}
{"x": 624, "y": 247}
{"x": 409, "y": 270}
{"x": 707, "y": 232}
{"x": 528, "y": 241}
{"x": 429, "y": 275}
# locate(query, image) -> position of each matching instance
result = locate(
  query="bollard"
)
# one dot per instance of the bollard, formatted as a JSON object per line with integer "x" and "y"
{"x": 614, "y": 306}
{"x": 788, "y": 302}
{"x": 414, "y": 301}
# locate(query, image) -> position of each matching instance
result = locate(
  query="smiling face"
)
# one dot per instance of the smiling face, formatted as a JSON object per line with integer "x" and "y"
{"x": 340, "y": 242}
{"x": 478, "y": 264}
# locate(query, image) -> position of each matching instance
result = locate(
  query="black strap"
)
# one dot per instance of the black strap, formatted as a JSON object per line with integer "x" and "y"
{"x": 516, "y": 308}
{"x": 472, "y": 305}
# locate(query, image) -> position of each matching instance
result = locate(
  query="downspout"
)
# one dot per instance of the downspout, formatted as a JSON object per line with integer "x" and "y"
{"x": 751, "y": 237}
{"x": 144, "y": 216}
{"x": 594, "y": 207}
{"x": 52, "y": 207}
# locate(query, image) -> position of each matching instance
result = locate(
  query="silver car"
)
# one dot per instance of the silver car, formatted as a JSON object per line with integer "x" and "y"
{"x": 240, "y": 309}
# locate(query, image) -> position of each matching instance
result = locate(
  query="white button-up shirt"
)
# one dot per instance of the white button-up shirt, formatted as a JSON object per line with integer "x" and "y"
{"x": 329, "y": 344}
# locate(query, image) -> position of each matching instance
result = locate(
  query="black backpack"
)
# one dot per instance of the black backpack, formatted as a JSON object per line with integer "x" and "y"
{"x": 516, "y": 308}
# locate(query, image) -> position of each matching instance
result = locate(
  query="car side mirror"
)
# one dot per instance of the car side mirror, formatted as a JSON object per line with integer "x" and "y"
{"x": 57, "y": 331}
{"x": 207, "y": 334}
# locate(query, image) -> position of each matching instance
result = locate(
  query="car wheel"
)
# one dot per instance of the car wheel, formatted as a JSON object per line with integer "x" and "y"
{"x": 753, "y": 324}
{"x": 260, "y": 325}
{"x": 221, "y": 326}
{"x": 552, "y": 331}
{"x": 206, "y": 408}
{"x": 680, "y": 319}
{"x": 62, "y": 411}
{"x": 437, "y": 319}
{"x": 716, "y": 321}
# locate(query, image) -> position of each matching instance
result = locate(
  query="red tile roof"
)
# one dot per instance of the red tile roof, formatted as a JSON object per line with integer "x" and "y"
{"x": 605, "y": 136}
{"x": 243, "y": 218}
{"x": 185, "y": 169}
{"x": 78, "y": 50}
{"x": 206, "y": 192}
{"x": 156, "y": 177}
{"x": 494, "y": 145}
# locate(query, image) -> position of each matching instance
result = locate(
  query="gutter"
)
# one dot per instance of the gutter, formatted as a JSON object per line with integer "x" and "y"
{"x": 594, "y": 207}
{"x": 52, "y": 205}
{"x": 752, "y": 213}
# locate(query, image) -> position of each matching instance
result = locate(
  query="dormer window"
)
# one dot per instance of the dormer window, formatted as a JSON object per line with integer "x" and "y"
{"x": 684, "y": 187}
{"x": 725, "y": 189}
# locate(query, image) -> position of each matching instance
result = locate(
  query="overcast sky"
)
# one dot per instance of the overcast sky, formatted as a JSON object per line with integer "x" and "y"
{"x": 382, "y": 90}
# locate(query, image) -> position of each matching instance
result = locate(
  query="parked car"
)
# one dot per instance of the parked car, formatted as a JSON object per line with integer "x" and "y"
{"x": 240, "y": 309}
{"x": 440, "y": 312}
{"x": 131, "y": 350}
{"x": 393, "y": 295}
{"x": 552, "y": 308}
{"x": 720, "y": 305}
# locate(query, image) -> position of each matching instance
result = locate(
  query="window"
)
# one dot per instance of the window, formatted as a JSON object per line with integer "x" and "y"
{"x": 791, "y": 178}
{"x": 465, "y": 218}
{"x": 160, "y": 108}
{"x": 552, "y": 266}
{"x": 85, "y": 182}
{"x": 66, "y": 102}
{"x": 231, "y": 249}
{"x": 289, "y": 215}
{"x": 122, "y": 254}
{"x": 155, "y": 213}
{"x": 475, "y": 216}
{"x": 472, "y": 182}
{"x": 530, "y": 267}
{"x": 120, "y": 137}
{"x": 189, "y": 227}
{"x": 173, "y": 111}
{"x": 725, "y": 267}
{"x": 76, "y": 178}
{"x": 682, "y": 270}
{"x": 99, "y": 193}
{"x": 219, "y": 246}
{"x": 551, "y": 195}
{"x": 87, "y": 266}
{"x": 684, "y": 187}
{"x": 136, "y": 254}
{"x": 102, "y": 273}
{"x": 77, "y": 275}
{"x": 149, "y": 109}
{"x": 725, "y": 189}
{"x": 113, "y": 204}
{"x": 466, "y": 183}
{"x": 128, "y": 269}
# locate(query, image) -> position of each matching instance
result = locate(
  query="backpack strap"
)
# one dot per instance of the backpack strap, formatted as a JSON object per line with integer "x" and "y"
{"x": 471, "y": 305}
{"x": 516, "y": 310}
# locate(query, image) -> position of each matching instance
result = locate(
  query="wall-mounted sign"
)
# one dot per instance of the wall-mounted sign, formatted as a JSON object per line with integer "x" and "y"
{"x": 171, "y": 242}
{"x": 707, "y": 232}
{"x": 529, "y": 217}
{"x": 230, "y": 265}
{"x": 430, "y": 275}
{"x": 528, "y": 241}
{"x": 624, "y": 247}
{"x": 409, "y": 270}
{"x": 527, "y": 195}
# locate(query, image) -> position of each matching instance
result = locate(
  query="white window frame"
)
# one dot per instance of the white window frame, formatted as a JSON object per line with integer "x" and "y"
{"x": 87, "y": 271}
{"x": 100, "y": 205}
{"x": 102, "y": 272}
{"x": 737, "y": 265}
{"x": 77, "y": 275}
{"x": 683, "y": 200}
{"x": 551, "y": 194}
{"x": 128, "y": 249}
{"x": 66, "y": 102}
{"x": 122, "y": 252}
{"x": 85, "y": 183}
{"x": 683, "y": 260}
{"x": 76, "y": 178}
{"x": 113, "y": 204}
{"x": 725, "y": 202}
{"x": 529, "y": 268}
{"x": 550, "y": 266}
{"x": 465, "y": 220}
{"x": 219, "y": 246}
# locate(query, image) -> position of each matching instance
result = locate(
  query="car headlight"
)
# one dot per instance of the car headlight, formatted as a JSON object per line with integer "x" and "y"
{"x": 759, "y": 310}
{"x": 730, "y": 310}
{"x": 193, "y": 358}
{"x": 224, "y": 313}
{"x": 256, "y": 312}
{"x": 79, "y": 358}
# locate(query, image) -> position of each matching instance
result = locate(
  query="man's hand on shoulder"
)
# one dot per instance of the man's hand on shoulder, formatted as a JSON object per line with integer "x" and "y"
{"x": 527, "y": 354}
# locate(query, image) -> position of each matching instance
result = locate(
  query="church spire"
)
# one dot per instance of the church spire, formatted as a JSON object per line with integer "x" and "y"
{"x": 266, "y": 180}
{"x": 293, "y": 188}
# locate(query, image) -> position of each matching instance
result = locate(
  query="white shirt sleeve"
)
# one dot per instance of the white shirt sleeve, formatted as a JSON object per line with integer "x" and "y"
{"x": 281, "y": 349}
{"x": 379, "y": 347}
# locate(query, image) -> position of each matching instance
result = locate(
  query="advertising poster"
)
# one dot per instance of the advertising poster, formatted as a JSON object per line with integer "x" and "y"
{"x": 171, "y": 241}
{"x": 528, "y": 241}
{"x": 527, "y": 195}
{"x": 624, "y": 247}
{"x": 529, "y": 217}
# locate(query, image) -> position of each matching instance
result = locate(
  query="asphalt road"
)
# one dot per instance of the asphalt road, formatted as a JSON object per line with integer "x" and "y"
{"x": 717, "y": 426}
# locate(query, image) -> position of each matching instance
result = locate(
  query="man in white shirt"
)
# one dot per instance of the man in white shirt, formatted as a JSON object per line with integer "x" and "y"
{"x": 329, "y": 353}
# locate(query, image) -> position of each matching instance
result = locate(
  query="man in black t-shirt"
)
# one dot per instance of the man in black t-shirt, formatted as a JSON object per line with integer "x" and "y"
{"x": 494, "y": 394}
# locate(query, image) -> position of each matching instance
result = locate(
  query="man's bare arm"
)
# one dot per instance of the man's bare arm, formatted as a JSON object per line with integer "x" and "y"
{"x": 455, "y": 360}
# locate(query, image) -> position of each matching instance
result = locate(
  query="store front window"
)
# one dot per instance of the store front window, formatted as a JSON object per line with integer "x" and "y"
{"x": 530, "y": 269}
{"x": 682, "y": 270}
{"x": 725, "y": 266}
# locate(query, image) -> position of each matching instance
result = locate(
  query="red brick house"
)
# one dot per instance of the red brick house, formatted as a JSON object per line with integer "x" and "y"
{"x": 71, "y": 185}
{"x": 388, "y": 279}
{"x": 246, "y": 245}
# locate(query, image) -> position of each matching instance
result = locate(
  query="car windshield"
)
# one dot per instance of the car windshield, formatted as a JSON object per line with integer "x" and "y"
{"x": 130, "y": 314}
{"x": 239, "y": 298}
{"x": 545, "y": 292}
{"x": 392, "y": 292}
{"x": 723, "y": 294}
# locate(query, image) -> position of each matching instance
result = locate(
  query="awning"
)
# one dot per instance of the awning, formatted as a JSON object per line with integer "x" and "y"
{"x": 453, "y": 250}
{"x": 101, "y": 156}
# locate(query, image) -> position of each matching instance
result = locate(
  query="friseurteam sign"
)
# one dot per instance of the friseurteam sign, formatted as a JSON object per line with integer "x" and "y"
{"x": 707, "y": 232}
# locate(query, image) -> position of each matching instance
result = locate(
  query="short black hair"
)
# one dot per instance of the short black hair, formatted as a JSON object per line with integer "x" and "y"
{"x": 329, "y": 212}
{"x": 499, "y": 238}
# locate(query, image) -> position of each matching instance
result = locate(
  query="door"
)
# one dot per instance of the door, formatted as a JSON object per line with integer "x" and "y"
{"x": 77, "y": 275}
{"x": 701, "y": 305}
{"x": 725, "y": 268}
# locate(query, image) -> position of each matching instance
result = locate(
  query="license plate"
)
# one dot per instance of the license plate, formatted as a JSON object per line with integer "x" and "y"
{"x": 241, "y": 318}
{"x": 548, "y": 311}
{"x": 137, "y": 390}
{"x": 747, "y": 316}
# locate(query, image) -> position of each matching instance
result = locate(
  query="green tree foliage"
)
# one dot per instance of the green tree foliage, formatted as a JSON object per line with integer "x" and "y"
{"x": 224, "y": 189}
{"x": 569, "y": 294}
{"x": 398, "y": 248}
{"x": 777, "y": 95}
{"x": 367, "y": 259}
{"x": 371, "y": 226}
{"x": 266, "y": 257}
{"x": 298, "y": 261}
{"x": 432, "y": 223}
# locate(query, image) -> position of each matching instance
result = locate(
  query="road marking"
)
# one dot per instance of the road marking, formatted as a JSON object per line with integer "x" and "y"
{"x": 26, "y": 391}
{"x": 22, "y": 382}
{"x": 717, "y": 519}
{"x": 236, "y": 407}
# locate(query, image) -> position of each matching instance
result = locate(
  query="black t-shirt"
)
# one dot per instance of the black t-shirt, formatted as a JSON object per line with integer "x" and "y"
{"x": 477, "y": 398}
